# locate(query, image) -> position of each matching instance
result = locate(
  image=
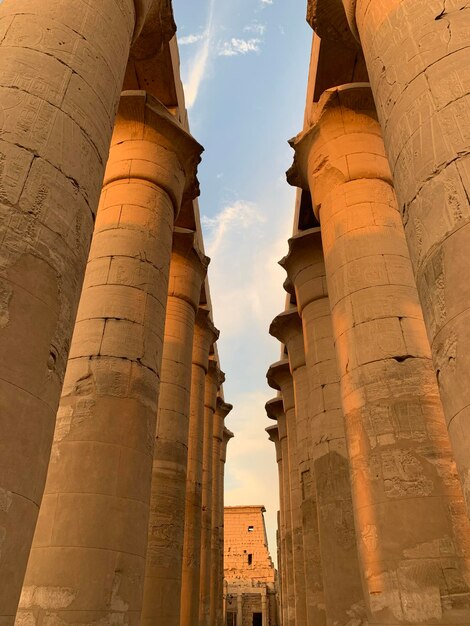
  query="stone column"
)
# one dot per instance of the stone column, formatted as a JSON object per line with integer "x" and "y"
{"x": 219, "y": 445}
{"x": 280, "y": 378}
{"x": 205, "y": 334}
{"x": 275, "y": 411}
{"x": 287, "y": 328}
{"x": 273, "y": 434}
{"x": 214, "y": 378}
{"x": 103, "y": 445}
{"x": 264, "y": 610}
{"x": 418, "y": 61}
{"x": 239, "y": 609}
{"x": 305, "y": 267}
{"x": 402, "y": 468}
{"x": 61, "y": 67}
{"x": 162, "y": 589}
{"x": 227, "y": 435}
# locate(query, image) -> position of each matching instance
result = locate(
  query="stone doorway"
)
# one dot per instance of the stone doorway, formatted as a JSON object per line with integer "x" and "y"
{"x": 257, "y": 619}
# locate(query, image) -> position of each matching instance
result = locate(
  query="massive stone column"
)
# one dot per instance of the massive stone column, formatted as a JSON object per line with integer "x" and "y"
{"x": 61, "y": 71}
{"x": 214, "y": 379}
{"x": 343, "y": 594}
{"x": 205, "y": 334}
{"x": 217, "y": 519}
{"x": 280, "y": 378}
{"x": 418, "y": 61}
{"x": 88, "y": 556}
{"x": 226, "y": 436}
{"x": 409, "y": 511}
{"x": 287, "y": 328}
{"x": 163, "y": 573}
{"x": 273, "y": 433}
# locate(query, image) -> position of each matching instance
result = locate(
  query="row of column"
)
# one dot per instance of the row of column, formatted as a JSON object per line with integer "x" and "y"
{"x": 360, "y": 426}
{"x": 119, "y": 535}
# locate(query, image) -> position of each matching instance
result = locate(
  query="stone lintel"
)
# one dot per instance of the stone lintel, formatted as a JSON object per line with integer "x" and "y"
{"x": 329, "y": 20}
{"x": 144, "y": 131}
{"x": 287, "y": 328}
{"x": 205, "y": 334}
{"x": 305, "y": 266}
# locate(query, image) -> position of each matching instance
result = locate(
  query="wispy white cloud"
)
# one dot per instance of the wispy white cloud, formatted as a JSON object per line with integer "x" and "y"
{"x": 198, "y": 66}
{"x": 232, "y": 220}
{"x": 190, "y": 39}
{"x": 256, "y": 28}
{"x": 235, "y": 47}
{"x": 266, "y": 1}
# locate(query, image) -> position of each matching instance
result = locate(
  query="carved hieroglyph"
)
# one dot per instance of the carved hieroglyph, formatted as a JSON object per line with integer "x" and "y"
{"x": 410, "y": 515}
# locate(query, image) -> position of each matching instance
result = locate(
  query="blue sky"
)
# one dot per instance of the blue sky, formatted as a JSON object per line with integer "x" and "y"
{"x": 244, "y": 64}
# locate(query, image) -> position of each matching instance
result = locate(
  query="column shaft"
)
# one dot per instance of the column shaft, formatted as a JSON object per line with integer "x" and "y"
{"x": 218, "y": 427}
{"x": 418, "y": 61}
{"x": 163, "y": 575}
{"x": 214, "y": 379}
{"x": 223, "y": 409}
{"x": 401, "y": 464}
{"x": 103, "y": 445}
{"x": 204, "y": 336}
{"x": 62, "y": 66}
{"x": 275, "y": 410}
{"x": 287, "y": 327}
{"x": 341, "y": 575}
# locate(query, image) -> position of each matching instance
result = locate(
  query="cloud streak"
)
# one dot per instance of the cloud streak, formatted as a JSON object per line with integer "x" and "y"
{"x": 198, "y": 67}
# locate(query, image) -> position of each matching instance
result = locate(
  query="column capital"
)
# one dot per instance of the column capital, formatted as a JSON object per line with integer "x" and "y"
{"x": 150, "y": 144}
{"x": 274, "y": 408}
{"x": 287, "y": 328}
{"x": 188, "y": 267}
{"x": 214, "y": 379}
{"x": 280, "y": 378}
{"x": 205, "y": 335}
{"x": 343, "y": 143}
{"x": 226, "y": 436}
{"x": 334, "y": 19}
{"x": 273, "y": 434}
{"x": 223, "y": 408}
{"x": 154, "y": 27}
{"x": 305, "y": 266}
